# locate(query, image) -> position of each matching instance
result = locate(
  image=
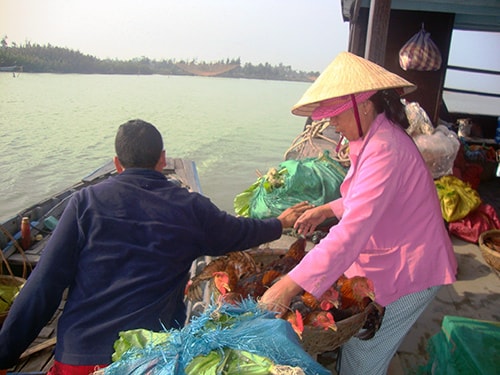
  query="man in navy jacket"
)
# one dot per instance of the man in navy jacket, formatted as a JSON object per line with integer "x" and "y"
{"x": 124, "y": 248}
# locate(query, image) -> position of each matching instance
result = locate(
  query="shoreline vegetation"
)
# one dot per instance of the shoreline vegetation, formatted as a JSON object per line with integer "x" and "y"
{"x": 35, "y": 58}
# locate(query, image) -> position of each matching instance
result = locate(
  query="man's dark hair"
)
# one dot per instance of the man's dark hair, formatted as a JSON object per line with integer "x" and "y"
{"x": 138, "y": 144}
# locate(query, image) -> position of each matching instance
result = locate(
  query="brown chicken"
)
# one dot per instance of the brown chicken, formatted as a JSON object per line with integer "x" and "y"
{"x": 255, "y": 285}
{"x": 306, "y": 302}
{"x": 223, "y": 286}
{"x": 356, "y": 293}
{"x": 320, "y": 319}
{"x": 237, "y": 276}
{"x": 303, "y": 305}
{"x": 296, "y": 320}
{"x": 292, "y": 257}
{"x": 373, "y": 321}
{"x": 329, "y": 299}
{"x": 236, "y": 265}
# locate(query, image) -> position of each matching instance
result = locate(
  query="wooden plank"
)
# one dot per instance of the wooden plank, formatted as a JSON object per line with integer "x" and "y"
{"x": 36, "y": 348}
{"x": 191, "y": 175}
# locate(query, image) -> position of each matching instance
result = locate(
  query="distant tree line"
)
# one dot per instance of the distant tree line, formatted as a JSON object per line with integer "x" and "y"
{"x": 35, "y": 58}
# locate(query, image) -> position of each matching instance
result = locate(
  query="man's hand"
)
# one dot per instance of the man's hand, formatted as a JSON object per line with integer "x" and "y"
{"x": 291, "y": 214}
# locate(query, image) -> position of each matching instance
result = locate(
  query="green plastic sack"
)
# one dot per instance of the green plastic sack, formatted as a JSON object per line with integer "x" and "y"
{"x": 316, "y": 180}
{"x": 464, "y": 346}
{"x": 457, "y": 198}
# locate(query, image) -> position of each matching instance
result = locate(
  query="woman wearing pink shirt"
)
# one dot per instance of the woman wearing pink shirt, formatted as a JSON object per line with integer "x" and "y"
{"x": 390, "y": 225}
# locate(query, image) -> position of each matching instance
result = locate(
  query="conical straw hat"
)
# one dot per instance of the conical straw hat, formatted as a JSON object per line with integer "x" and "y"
{"x": 348, "y": 74}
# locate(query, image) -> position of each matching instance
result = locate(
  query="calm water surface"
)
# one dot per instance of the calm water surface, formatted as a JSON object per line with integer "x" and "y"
{"x": 55, "y": 129}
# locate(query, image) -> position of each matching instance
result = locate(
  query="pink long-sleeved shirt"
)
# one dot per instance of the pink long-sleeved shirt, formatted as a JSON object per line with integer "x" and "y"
{"x": 391, "y": 228}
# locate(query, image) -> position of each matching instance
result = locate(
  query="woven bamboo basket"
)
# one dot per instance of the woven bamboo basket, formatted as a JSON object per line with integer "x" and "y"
{"x": 316, "y": 341}
{"x": 10, "y": 279}
{"x": 489, "y": 244}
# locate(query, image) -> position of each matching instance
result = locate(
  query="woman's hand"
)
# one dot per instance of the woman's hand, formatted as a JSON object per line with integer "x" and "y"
{"x": 291, "y": 214}
{"x": 310, "y": 219}
{"x": 278, "y": 297}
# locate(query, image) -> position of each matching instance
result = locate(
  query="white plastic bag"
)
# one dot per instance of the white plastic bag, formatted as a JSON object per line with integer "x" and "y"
{"x": 420, "y": 123}
{"x": 439, "y": 150}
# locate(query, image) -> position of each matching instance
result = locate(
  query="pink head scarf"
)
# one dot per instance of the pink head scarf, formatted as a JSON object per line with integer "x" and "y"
{"x": 333, "y": 107}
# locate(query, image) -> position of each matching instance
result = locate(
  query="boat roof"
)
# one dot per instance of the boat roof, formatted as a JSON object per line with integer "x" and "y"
{"x": 477, "y": 15}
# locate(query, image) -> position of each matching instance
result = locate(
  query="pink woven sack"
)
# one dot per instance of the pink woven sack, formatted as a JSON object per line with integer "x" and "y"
{"x": 420, "y": 53}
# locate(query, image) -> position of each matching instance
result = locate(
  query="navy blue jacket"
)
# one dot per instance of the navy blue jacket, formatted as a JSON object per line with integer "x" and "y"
{"x": 124, "y": 248}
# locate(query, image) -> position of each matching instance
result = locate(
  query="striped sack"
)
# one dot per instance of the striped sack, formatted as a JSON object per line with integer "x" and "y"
{"x": 420, "y": 53}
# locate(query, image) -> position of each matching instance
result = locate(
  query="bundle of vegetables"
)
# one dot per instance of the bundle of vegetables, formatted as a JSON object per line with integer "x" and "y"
{"x": 225, "y": 339}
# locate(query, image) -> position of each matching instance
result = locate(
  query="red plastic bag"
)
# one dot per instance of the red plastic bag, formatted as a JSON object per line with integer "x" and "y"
{"x": 420, "y": 53}
{"x": 476, "y": 222}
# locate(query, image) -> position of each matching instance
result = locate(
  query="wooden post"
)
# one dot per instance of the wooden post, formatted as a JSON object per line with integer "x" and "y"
{"x": 378, "y": 26}
{"x": 355, "y": 29}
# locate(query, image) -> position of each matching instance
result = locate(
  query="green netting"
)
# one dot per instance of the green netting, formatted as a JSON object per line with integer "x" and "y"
{"x": 463, "y": 347}
{"x": 316, "y": 180}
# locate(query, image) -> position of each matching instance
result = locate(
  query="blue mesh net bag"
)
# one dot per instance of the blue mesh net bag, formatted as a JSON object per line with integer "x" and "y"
{"x": 225, "y": 339}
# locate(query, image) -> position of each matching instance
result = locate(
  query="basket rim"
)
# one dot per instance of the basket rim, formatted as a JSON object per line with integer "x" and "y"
{"x": 327, "y": 340}
{"x": 353, "y": 320}
{"x": 487, "y": 232}
{"x": 491, "y": 256}
{"x": 16, "y": 279}
{"x": 483, "y": 246}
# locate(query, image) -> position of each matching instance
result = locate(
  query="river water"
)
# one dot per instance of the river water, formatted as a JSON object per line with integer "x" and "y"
{"x": 56, "y": 129}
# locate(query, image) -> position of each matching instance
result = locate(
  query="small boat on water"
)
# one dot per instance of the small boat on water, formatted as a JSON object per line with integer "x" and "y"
{"x": 43, "y": 216}
{"x": 13, "y": 68}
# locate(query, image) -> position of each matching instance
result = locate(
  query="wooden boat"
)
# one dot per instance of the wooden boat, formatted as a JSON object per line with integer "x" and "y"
{"x": 381, "y": 41}
{"x": 13, "y": 68}
{"x": 43, "y": 216}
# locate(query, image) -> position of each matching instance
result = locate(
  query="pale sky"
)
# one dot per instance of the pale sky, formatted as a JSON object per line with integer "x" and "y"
{"x": 303, "y": 34}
